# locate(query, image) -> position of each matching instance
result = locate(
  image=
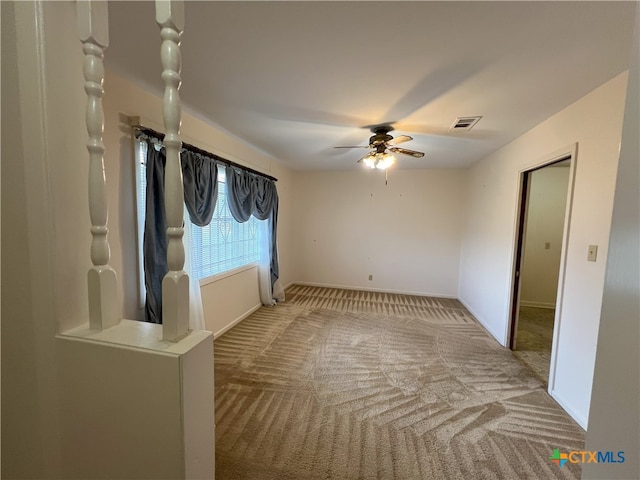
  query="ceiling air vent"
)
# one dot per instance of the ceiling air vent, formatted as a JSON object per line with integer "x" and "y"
{"x": 464, "y": 123}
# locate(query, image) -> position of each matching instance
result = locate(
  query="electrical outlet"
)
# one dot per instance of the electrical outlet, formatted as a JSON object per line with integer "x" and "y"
{"x": 370, "y": 277}
{"x": 592, "y": 255}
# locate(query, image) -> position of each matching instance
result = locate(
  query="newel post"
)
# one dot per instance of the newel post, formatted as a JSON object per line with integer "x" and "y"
{"x": 175, "y": 285}
{"x": 93, "y": 30}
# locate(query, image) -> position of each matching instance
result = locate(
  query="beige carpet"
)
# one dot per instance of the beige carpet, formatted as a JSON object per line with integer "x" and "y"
{"x": 339, "y": 384}
{"x": 534, "y": 339}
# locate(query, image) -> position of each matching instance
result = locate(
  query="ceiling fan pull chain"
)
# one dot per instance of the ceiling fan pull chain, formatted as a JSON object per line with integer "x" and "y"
{"x": 386, "y": 176}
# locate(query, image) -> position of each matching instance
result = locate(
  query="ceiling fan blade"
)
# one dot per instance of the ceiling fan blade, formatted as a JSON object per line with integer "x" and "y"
{"x": 355, "y": 146}
{"x": 399, "y": 139}
{"x": 406, "y": 151}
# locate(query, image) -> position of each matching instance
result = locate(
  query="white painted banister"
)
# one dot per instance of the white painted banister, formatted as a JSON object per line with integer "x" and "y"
{"x": 93, "y": 29}
{"x": 175, "y": 285}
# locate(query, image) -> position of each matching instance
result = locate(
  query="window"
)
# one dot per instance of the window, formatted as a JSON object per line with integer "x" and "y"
{"x": 223, "y": 245}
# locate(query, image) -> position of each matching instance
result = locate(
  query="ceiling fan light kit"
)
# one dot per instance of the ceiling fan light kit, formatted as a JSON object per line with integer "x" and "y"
{"x": 381, "y": 141}
{"x": 381, "y": 161}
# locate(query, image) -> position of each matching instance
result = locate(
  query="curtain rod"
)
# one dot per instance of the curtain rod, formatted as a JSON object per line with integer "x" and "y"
{"x": 187, "y": 146}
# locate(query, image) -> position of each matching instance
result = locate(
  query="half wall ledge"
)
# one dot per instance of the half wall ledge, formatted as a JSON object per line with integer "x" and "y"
{"x": 134, "y": 405}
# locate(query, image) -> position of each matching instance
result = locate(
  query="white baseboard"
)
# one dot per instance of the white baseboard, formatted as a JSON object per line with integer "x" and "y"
{"x": 580, "y": 419}
{"x": 497, "y": 338}
{"x": 236, "y": 321}
{"x": 524, "y": 303}
{"x": 229, "y": 326}
{"x": 371, "y": 289}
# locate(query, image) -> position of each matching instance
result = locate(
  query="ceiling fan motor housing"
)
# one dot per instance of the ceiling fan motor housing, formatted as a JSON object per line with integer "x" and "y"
{"x": 381, "y": 135}
{"x": 381, "y": 141}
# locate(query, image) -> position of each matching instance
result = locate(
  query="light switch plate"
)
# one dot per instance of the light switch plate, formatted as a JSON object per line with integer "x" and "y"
{"x": 592, "y": 255}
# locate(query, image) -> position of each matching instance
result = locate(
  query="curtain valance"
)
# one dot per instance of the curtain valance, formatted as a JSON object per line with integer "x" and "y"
{"x": 247, "y": 195}
{"x": 200, "y": 179}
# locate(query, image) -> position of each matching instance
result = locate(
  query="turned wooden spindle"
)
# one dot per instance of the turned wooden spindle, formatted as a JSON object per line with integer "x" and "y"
{"x": 93, "y": 29}
{"x": 175, "y": 285}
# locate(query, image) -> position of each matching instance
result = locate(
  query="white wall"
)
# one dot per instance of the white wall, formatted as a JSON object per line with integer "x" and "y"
{"x": 221, "y": 314}
{"x": 407, "y": 234}
{"x": 21, "y": 432}
{"x": 614, "y": 418}
{"x": 545, "y": 222}
{"x": 224, "y": 300}
{"x": 45, "y": 168}
{"x": 595, "y": 123}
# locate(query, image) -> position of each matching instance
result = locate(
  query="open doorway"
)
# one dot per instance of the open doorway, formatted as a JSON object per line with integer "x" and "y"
{"x": 543, "y": 210}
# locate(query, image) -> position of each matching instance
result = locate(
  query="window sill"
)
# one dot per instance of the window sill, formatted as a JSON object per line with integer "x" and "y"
{"x": 228, "y": 273}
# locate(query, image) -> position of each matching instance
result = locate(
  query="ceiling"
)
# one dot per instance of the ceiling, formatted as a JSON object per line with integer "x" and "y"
{"x": 295, "y": 79}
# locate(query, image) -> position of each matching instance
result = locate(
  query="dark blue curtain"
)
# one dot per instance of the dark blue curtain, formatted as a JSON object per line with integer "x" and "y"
{"x": 155, "y": 234}
{"x": 200, "y": 181}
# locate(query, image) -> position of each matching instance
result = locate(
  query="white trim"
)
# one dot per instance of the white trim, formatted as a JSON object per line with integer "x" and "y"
{"x": 233, "y": 323}
{"x": 563, "y": 269}
{"x": 228, "y": 273}
{"x": 580, "y": 419}
{"x": 484, "y": 324}
{"x": 229, "y": 326}
{"x": 568, "y": 151}
{"x": 365, "y": 289}
{"x": 518, "y": 220}
{"x": 553, "y": 157}
{"x": 546, "y": 305}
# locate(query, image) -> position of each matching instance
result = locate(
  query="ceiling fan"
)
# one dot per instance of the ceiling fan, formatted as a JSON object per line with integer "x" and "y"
{"x": 381, "y": 141}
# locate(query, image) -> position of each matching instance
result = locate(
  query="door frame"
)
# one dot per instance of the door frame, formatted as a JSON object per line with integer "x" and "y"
{"x": 567, "y": 153}
{"x": 521, "y": 234}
